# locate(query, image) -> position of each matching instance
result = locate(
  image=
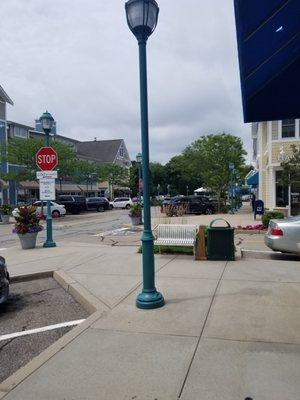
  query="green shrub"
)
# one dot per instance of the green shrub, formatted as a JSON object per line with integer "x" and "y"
{"x": 135, "y": 210}
{"x": 171, "y": 250}
{"x": 6, "y": 209}
{"x": 271, "y": 215}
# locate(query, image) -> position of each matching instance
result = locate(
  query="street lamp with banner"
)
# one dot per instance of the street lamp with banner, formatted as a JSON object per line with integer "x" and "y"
{"x": 142, "y": 18}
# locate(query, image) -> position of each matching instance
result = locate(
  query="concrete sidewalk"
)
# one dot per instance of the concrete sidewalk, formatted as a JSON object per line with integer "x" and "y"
{"x": 227, "y": 331}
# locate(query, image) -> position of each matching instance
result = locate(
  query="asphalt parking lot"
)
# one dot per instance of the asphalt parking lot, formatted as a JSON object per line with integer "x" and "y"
{"x": 33, "y": 304}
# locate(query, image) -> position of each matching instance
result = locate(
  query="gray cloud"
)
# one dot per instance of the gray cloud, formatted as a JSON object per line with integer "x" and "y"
{"x": 79, "y": 60}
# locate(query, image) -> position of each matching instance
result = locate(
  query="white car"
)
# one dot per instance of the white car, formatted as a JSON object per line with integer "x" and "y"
{"x": 57, "y": 210}
{"x": 121, "y": 202}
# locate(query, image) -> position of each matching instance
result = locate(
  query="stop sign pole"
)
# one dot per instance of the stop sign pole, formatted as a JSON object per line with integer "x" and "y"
{"x": 46, "y": 159}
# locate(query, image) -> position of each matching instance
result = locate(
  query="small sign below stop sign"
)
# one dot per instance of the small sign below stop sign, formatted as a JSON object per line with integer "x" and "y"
{"x": 46, "y": 158}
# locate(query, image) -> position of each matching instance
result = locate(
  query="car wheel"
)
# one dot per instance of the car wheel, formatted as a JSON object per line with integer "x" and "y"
{"x": 55, "y": 214}
{"x": 100, "y": 209}
{"x": 127, "y": 206}
{"x": 111, "y": 207}
{"x": 208, "y": 211}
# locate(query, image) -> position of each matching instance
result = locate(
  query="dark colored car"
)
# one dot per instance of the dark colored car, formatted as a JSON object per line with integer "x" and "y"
{"x": 194, "y": 204}
{"x": 73, "y": 204}
{"x": 97, "y": 203}
{"x": 4, "y": 281}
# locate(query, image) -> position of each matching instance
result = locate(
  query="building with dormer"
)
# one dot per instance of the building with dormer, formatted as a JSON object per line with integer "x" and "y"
{"x": 272, "y": 142}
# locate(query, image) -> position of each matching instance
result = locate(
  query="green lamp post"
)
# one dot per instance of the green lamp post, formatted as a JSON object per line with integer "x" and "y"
{"x": 231, "y": 169}
{"x": 139, "y": 162}
{"x": 47, "y": 122}
{"x": 158, "y": 190}
{"x": 142, "y": 18}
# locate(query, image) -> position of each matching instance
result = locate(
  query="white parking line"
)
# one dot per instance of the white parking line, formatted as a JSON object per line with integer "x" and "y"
{"x": 39, "y": 330}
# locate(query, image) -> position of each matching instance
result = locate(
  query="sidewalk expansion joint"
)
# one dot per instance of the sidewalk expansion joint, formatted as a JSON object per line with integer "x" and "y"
{"x": 202, "y": 330}
{"x": 145, "y": 333}
{"x": 252, "y": 341}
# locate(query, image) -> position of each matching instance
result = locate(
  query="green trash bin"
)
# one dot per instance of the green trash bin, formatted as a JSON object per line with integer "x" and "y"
{"x": 220, "y": 242}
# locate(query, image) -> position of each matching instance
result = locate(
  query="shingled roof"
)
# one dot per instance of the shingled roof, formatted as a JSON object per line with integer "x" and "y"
{"x": 103, "y": 151}
{"x": 4, "y": 96}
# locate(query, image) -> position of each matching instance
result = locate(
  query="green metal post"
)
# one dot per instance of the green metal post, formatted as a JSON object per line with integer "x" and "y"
{"x": 140, "y": 178}
{"x": 49, "y": 241}
{"x": 231, "y": 192}
{"x": 149, "y": 298}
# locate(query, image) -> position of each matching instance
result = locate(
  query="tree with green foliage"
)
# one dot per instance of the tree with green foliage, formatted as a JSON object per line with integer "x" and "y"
{"x": 134, "y": 178}
{"x": 209, "y": 158}
{"x": 180, "y": 174}
{"x": 22, "y": 152}
{"x": 115, "y": 174}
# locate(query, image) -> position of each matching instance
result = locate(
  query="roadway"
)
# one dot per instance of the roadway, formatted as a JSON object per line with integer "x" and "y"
{"x": 85, "y": 227}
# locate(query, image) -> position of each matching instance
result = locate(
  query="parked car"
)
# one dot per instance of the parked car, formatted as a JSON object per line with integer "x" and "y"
{"x": 284, "y": 235}
{"x": 73, "y": 204}
{"x": 246, "y": 197}
{"x": 57, "y": 210}
{"x": 4, "y": 281}
{"x": 121, "y": 202}
{"x": 97, "y": 203}
{"x": 194, "y": 204}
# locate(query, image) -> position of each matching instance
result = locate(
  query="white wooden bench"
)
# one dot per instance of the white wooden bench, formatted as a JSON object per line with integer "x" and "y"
{"x": 175, "y": 235}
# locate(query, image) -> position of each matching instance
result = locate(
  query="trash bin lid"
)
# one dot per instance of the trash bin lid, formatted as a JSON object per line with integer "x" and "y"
{"x": 211, "y": 227}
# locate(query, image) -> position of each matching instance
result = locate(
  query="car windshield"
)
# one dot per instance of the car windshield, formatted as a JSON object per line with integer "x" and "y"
{"x": 293, "y": 219}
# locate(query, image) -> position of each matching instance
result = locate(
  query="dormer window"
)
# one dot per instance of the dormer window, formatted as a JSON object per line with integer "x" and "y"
{"x": 288, "y": 128}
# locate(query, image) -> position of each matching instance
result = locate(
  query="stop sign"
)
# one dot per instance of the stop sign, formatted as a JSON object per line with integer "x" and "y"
{"x": 46, "y": 159}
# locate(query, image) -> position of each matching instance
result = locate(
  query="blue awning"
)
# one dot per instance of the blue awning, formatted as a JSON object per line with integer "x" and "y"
{"x": 253, "y": 180}
{"x": 268, "y": 34}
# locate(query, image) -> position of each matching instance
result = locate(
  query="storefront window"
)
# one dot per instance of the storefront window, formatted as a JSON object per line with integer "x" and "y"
{"x": 288, "y": 128}
{"x": 282, "y": 191}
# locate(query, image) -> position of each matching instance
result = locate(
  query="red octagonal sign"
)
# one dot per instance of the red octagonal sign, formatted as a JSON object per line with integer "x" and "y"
{"x": 46, "y": 159}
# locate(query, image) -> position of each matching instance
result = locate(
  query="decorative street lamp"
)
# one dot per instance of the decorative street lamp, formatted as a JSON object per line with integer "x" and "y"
{"x": 47, "y": 122}
{"x": 158, "y": 189}
{"x": 139, "y": 162}
{"x": 168, "y": 188}
{"x": 142, "y": 18}
{"x": 231, "y": 169}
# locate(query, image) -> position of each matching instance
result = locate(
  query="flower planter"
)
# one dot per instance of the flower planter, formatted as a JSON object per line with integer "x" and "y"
{"x": 5, "y": 218}
{"x": 28, "y": 240}
{"x": 137, "y": 220}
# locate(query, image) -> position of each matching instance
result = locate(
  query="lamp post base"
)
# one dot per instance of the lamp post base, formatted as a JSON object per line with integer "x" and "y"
{"x": 150, "y": 300}
{"x": 49, "y": 244}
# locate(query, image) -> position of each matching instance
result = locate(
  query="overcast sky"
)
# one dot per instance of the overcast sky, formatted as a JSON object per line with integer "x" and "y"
{"x": 79, "y": 60}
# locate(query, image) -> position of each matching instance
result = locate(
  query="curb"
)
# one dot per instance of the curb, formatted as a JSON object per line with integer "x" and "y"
{"x": 246, "y": 231}
{"x": 90, "y": 303}
{"x": 31, "y": 277}
{"x": 24, "y": 372}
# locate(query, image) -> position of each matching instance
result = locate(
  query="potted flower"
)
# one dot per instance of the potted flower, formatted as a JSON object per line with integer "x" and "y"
{"x": 135, "y": 214}
{"x": 5, "y": 212}
{"x": 27, "y": 226}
